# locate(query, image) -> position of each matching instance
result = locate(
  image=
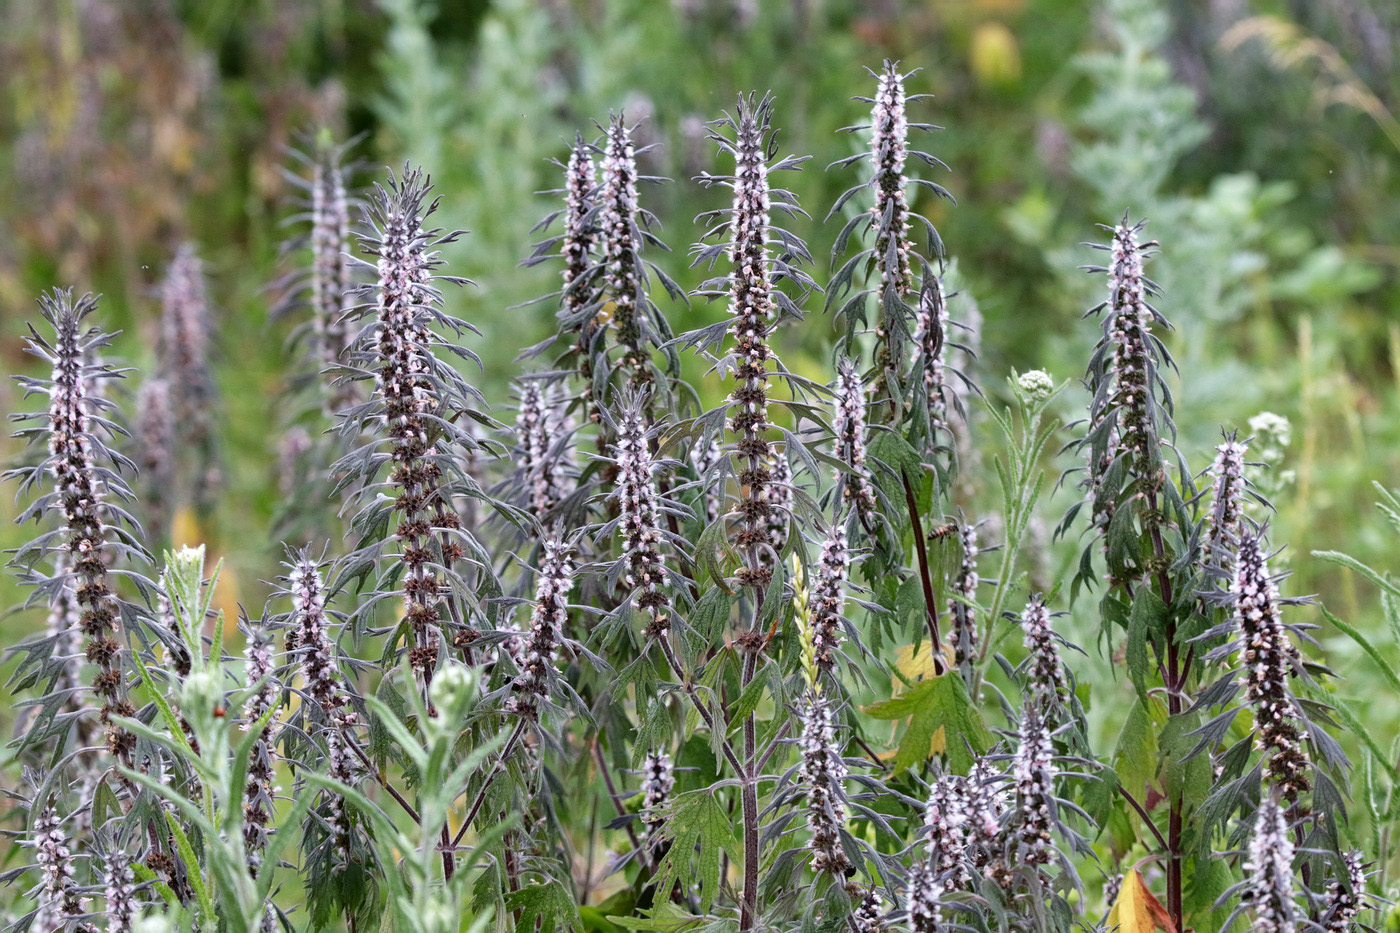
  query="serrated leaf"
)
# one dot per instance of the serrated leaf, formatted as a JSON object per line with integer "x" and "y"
{"x": 1148, "y": 617}
{"x": 1137, "y": 758}
{"x": 544, "y": 907}
{"x": 698, "y": 830}
{"x": 931, "y": 705}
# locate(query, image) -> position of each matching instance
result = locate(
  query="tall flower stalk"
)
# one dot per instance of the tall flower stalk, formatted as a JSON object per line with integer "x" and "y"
{"x": 1269, "y": 661}
{"x": 322, "y": 684}
{"x": 418, "y": 399}
{"x": 186, "y": 334}
{"x": 1268, "y": 868}
{"x": 548, "y": 623}
{"x": 87, "y": 492}
{"x": 856, "y": 487}
{"x": 640, "y": 509}
{"x": 745, "y": 234}
{"x": 893, "y": 255}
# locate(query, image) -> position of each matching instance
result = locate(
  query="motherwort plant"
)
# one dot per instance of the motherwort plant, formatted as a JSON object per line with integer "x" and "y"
{"x": 627, "y": 662}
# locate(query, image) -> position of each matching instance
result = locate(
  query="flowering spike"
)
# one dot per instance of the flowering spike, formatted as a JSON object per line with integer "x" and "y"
{"x": 418, "y": 402}
{"x": 119, "y": 888}
{"x": 1045, "y": 673}
{"x": 754, "y": 304}
{"x": 822, "y": 773}
{"x": 857, "y": 488}
{"x": 1268, "y": 871}
{"x": 258, "y": 791}
{"x": 332, "y": 272}
{"x": 186, "y": 325}
{"x": 322, "y": 684}
{"x": 60, "y": 903}
{"x": 155, "y": 455}
{"x": 1033, "y": 771}
{"x": 828, "y": 597}
{"x": 658, "y": 783}
{"x": 869, "y": 917}
{"x": 779, "y": 493}
{"x": 543, "y": 433}
{"x": 1228, "y": 487}
{"x": 946, "y": 824}
{"x": 930, "y": 351}
{"x": 578, "y": 312}
{"x": 706, "y": 457}
{"x": 86, "y": 491}
{"x": 1269, "y": 659}
{"x": 623, "y": 278}
{"x": 65, "y": 632}
{"x": 986, "y": 803}
{"x": 640, "y": 508}
{"x": 548, "y": 623}
{"x": 924, "y": 899}
{"x": 1345, "y": 896}
{"x": 960, "y": 607}
{"x": 889, "y": 145}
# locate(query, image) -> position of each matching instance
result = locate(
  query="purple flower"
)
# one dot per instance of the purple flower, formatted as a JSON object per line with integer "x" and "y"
{"x": 1268, "y": 871}
{"x": 547, "y": 626}
{"x": 822, "y": 773}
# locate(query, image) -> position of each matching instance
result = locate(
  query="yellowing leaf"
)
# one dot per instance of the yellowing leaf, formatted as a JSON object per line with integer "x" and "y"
{"x": 917, "y": 665}
{"x": 1137, "y": 909}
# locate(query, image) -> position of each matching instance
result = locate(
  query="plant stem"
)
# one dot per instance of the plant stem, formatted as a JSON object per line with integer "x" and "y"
{"x": 749, "y": 802}
{"x": 930, "y": 600}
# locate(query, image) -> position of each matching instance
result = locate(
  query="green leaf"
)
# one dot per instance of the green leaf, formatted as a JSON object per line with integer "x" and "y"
{"x": 544, "y": 907}
{"x": 192, "y": 870}
{"x": 1137, "y": 757}
{"x": 1148, "y": 619}
{"x": 1191, "y": 779}
{"x": 893, "y": 458}
{"x": 698, "y": 829}
{"x": 653, "y": 731}
{"x": 931, "y": 705}
{"x": 1386, "y": 668}
{"x": 665, "y": 918}
{"x": 1351, "y": 563}
{"x": 713, "y": 555}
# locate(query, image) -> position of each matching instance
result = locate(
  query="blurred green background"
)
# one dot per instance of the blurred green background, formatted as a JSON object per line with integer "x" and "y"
{"x": 1258, "y": 136}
